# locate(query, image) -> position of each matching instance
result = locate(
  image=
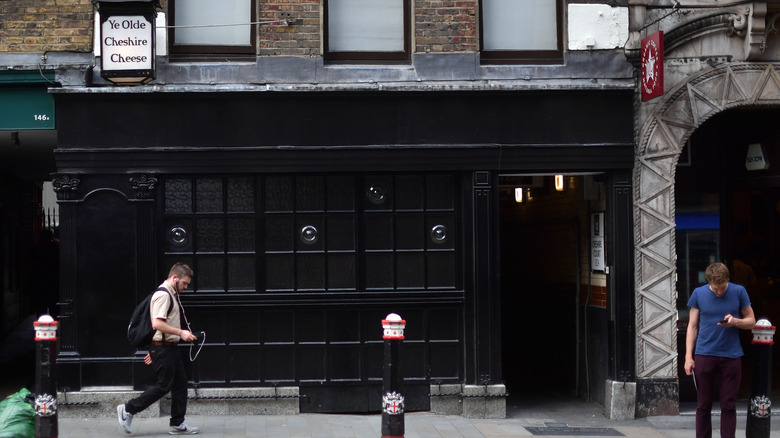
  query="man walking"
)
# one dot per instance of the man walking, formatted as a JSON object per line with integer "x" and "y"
{"x": 164, "y": 355}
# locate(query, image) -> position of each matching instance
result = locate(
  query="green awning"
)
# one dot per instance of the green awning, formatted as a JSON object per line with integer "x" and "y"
{"x": 24, "y": 100}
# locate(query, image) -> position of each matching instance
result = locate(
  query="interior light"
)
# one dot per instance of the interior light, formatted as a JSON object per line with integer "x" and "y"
{"x": 519, "y": 194}
{"x": 559, "y": 183}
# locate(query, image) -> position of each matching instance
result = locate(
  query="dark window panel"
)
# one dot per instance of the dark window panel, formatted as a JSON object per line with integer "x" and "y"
{"x": 209, "y": 235}
{"x": 178, "y": 195}
{"x": 240, "y": 195}
{"x": 209, "y": 197}
{"x": 410, "y": 270}
{"x": 310, "y": 271}
{"x": 279, "y": 269}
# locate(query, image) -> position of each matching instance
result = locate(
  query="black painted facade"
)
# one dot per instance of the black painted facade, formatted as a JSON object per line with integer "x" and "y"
{"x": 308, "y": 217}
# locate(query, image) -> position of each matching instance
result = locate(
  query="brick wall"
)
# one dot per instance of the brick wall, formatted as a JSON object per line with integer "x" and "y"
{"x": 445, "y": 26}
{"x": 45, "y": 25}
{"x": 301, "y": 37}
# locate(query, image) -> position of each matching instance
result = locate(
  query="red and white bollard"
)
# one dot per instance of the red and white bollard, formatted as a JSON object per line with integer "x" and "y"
{"x": 46, "y": 377}
{"x": 759, "y": 410}
{"x": 392, "y": 381}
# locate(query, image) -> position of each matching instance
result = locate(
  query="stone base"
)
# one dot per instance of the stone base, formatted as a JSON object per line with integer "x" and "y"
{"x": 657, "y": 397}
{"x": 446, "y": 399}
{"x": 484, "y": 401}
{"x": 102, "y": 402}
{"x": 620, "y": 400}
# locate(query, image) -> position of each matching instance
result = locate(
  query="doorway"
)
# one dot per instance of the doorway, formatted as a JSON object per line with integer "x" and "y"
{"x": 728, "y": 210}
{"x": 552, "y": 299}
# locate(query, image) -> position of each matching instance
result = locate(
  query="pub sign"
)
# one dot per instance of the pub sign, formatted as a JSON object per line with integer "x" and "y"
{"x": 127, "y": 31}
{"x": 652, "y": 55}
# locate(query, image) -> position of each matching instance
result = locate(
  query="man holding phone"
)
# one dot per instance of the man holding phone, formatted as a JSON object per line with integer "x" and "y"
{"x": 713, "y": 353}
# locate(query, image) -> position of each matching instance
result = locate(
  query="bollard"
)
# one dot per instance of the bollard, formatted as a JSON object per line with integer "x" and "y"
{"x": 759, "y": 411}
{"x": 45, "y": 377}
{"x": 393, "y": 399}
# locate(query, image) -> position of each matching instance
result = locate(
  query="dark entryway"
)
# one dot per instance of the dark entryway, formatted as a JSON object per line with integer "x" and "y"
{"x": 552, "y": 302}
{"x": 726, "y": 212}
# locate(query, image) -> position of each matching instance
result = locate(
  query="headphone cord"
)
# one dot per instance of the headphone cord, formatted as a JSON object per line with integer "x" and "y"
{"x": 186, "y": 321}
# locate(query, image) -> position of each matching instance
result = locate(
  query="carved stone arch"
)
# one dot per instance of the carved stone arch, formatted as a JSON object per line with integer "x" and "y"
{"x": 661, "y": 138}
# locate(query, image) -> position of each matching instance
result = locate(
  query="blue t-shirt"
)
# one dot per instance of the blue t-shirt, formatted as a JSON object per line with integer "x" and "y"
{"x": 715, "y": 340}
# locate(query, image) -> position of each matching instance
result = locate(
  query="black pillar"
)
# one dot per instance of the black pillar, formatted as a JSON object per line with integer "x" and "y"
{"x": 392, "y": 381}
{"x": 759, "y": 417}
{"x": 45, "y": 377}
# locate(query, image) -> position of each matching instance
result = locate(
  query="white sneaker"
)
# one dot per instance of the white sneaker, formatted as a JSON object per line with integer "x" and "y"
{"x": 125, "y": 418}
{"x": 183, "y": 429}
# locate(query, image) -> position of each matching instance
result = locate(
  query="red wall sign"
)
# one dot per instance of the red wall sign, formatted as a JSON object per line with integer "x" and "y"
{"x": 652, "y": 80}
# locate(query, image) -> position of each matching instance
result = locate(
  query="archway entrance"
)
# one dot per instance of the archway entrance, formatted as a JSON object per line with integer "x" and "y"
{"x": 726, "y": 212}
{"x": 662, "y": 138}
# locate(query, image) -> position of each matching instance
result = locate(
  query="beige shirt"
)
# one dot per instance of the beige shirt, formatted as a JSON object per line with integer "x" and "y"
{"x": 159, "y": 309}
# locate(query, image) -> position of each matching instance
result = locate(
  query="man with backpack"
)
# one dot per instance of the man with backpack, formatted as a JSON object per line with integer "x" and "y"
{"x": 165, "y": 356}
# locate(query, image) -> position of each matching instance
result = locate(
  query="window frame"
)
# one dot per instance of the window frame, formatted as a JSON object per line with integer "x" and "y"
{"x": 523, "y": 56}
{"x": 368, "y": 57}
{"x": 207, "y": 50}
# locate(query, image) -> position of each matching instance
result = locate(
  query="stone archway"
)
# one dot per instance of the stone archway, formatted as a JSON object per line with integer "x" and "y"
{"x": 661, "y": 139}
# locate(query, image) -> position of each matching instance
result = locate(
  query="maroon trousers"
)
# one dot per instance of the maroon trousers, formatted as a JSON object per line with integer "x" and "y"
{"x": 715, "y": 374}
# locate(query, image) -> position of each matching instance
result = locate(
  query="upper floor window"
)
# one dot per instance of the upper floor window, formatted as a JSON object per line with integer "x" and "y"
{"x": 367, "y": 30}
{"x": 522, "y": 32}
{"x": 206, "y": 27}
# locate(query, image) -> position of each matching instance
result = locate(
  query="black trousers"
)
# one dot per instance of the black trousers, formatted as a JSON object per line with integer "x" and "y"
{"x": 171, "y": 377}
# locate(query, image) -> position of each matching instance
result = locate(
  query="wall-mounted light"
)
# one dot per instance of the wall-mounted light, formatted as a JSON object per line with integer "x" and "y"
{"x": 519, "y": 194}
{"x": 559, "y": 186}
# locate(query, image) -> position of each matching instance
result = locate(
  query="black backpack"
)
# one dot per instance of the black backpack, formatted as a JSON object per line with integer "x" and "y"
{"x": 140, "y": 331}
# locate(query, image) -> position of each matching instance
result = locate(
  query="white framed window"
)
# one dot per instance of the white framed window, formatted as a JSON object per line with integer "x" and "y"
{"x": 209, "y": 27}
{"x": 367, "y": 30}
{"x": 527, "y": 31}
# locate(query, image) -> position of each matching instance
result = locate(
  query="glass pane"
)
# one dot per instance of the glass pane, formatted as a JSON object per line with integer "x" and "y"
{"x": 241, "y": 234}
{"x": 440, "y": 192}
{"x": 411, "y": 269}
{"x": 309, "y": 193}
{"x": 278, "y": 194}
{"x": 379, "y": 232}
{"x": 379, "y": 271}
{"x": 279, "y": 234}
{"x": 240, "y": 195}
{"x": 443, "y": 236}
{"x": 310, "y": 233}
{"x": 341, "y": 193}
{"x": 241, "y": 273}
{"x": 178, "y": 235}
{"x": 178, "y": 196}
{"x": 202, "y": 12}
{"x": 519, "y": 25}
{"x": 441, "y": 269}
{"x": 209, "y": 235}
{"x": 379, "y": 193}
{"x": 366, "y": 25}
{"x": 211, "y": 273}
{"x": 341, "y": 233}
{"x": 311, "y": 271}
{"x": 409, "y": 193}
{"x": 410, "y": 231}
{"x": 208, "y": 194}
{"x": 279, "y": 271}
{"x": 341, "y": 271}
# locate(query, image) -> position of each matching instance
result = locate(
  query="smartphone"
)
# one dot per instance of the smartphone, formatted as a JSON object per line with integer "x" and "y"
{"x": 723, "y": 321}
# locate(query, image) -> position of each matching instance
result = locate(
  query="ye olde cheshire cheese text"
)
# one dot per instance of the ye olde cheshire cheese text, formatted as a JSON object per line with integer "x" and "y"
{"x": 111, "y": 41}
